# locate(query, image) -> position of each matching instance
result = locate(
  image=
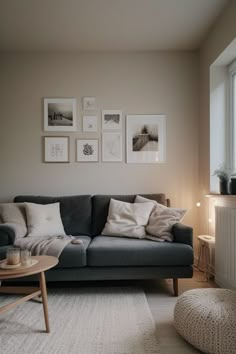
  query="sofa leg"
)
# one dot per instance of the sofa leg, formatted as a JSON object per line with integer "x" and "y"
{"x": 175, "y": 285}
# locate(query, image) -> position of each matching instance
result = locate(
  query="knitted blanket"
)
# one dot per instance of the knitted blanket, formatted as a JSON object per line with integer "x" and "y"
{"x": 44, "y": 245}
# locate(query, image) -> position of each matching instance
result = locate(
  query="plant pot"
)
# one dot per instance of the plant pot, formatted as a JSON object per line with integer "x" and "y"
{"x": 224, "y": 187}
{"x": 233, "y": 186}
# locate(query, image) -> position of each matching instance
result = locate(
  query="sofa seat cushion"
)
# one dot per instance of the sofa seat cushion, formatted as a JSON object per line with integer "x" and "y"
{"x": 74, "y": 255}
{"x": 117, "y": 251}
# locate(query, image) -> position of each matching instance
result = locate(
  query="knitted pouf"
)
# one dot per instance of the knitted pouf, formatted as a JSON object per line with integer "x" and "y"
{"x": 206, "y": 318}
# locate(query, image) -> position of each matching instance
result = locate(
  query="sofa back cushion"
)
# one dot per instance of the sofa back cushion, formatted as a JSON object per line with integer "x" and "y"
{"x": 75, "y": 211}
{"x": 101, "y": 204}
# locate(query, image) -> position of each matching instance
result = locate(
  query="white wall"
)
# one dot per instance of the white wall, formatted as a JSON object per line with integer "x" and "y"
{"x": 136, "y": 83}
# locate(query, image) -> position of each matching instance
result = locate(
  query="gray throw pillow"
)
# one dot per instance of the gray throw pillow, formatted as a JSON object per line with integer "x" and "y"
{"x": 13, "y": 214}
{"x": 161, "y": 220}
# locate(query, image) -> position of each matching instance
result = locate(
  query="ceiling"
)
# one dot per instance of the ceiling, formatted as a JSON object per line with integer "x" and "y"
{"x": 106, "y": 25}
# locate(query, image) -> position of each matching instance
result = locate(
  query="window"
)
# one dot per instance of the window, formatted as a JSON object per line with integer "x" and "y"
{"x": 223, "y": 114}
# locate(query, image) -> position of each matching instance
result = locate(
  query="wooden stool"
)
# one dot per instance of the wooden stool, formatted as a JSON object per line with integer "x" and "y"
{"x": 206, "y": 254}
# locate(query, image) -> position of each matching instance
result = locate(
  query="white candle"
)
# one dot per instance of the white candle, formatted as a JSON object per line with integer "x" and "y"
{"x": 25, "y": 257}
{"x": 13, "y": 256}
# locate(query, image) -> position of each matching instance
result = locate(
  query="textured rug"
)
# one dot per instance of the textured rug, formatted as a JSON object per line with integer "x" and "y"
{"x": 83, "y": 321}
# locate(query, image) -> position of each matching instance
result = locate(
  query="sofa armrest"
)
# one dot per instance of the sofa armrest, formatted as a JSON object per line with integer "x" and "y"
{"x": 7, "y": 235}
{"x": 183, "y": 234}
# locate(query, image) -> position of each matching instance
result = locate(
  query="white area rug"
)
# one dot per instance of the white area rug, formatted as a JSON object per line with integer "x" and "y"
{"x": 83, "y": 321}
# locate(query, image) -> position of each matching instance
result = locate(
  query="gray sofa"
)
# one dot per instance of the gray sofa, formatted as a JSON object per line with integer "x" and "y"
{"x": 104, "y": 257}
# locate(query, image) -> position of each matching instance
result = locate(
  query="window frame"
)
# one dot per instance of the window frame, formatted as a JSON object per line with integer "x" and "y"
{"x": 232, "y": 114}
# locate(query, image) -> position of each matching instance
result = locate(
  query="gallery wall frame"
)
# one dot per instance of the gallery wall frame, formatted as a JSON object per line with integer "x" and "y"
{"x": 111, "y": 120}
{"x": 89, "y": 103}
{"x": 90, "y": 124}
{"x": 60, "y": 114}
{"x": 56, "y": 149}
{"x": 87, "y": 150}
{"x": 112, "y": 147}
{"x": 146, "y": 138}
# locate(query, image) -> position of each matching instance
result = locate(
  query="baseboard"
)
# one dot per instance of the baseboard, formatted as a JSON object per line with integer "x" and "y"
{"x": 222, "y": 283}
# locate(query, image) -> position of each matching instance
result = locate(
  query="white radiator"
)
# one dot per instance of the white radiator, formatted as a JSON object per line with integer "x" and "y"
{"x": 225, "y": 247}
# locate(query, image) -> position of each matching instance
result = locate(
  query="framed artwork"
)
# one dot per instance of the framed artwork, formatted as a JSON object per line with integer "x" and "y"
{"x": 89, "y": 103}
{"x": 112, "y": 147}
{"x": 89, "y": 124}
{"x": 87, "y": 150}
{"x": 60, "y": 114}
{"x": 146, "y": 138}
{"x": 111, "y": 120}
{"x": 56, "y": 149}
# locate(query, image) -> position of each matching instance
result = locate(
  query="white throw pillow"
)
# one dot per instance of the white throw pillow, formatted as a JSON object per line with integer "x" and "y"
{"x": 44, "y": 220}
{"x": 161, "y": 220}
{"x": 127, "y": 219}
{"x": 13, "y": 214}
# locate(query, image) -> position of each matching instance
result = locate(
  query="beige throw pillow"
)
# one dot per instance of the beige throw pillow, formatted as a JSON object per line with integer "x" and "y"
{"x": 44, "y": 220}
{"x": 161, "y": 220}
{"x": 127, "y": 219}
{"x": 13, "y": 214}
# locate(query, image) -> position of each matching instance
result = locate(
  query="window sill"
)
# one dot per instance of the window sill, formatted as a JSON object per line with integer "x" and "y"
{"x": 222, "y": 196}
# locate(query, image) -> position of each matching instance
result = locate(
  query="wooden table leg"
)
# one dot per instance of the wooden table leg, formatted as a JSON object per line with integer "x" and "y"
{"x": 45, "y": 301}
{"x": 176, "y": 288}
{"x": 19, "y": 301}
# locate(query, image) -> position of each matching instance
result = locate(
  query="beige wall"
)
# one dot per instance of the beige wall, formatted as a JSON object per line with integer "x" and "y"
{"x": 136, "y": 83}
{"x": 220, "y": 36}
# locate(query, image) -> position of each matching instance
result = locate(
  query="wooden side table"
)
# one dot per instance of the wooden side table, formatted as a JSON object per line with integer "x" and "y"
{"x": 44, "y": 263}
{"x": 206, "y": 251}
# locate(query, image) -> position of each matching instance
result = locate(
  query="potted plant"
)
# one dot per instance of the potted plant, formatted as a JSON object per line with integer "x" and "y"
{"x": 224, "y": 174}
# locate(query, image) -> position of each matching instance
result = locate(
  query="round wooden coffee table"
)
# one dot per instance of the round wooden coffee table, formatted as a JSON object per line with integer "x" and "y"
{"x": 44, "y": 263}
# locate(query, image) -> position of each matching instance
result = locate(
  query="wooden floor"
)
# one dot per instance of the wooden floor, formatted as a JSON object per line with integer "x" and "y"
{"x": 199, "y": 280}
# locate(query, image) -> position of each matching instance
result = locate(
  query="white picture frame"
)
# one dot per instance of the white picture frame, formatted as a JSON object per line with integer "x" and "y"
{"x": 111, "y": 120}
{"x": 146, "y": 138}
{"x": 89, "y": 103}
{"x": 90, "y": 124}
{"x": 60, "y": 114}
{"x": 56, "y": 149}
{"x": 112, "y": 147}
{"x": 87, "y": 150}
